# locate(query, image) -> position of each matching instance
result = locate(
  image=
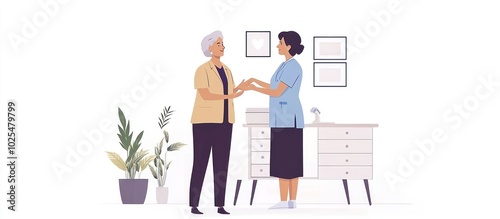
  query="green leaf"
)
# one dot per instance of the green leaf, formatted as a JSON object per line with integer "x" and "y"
{"x": 127, "y": 129}
{"x": 168, "y": 165}
{"x": 175, "y": 146}
{"x": 123, "y": 142}
{"x": 138, "y": 138}
{"x": 161, "y": 145}
{"x": 122, "y": 132}
{"x": 153, "y": 171}
{"x": 122, "y": 117}
{"x": 160, "y": 170}
{"x": 117, "y": 160}
{"x": 160, "y": 123}
{"x": 164, "y": 117}
{"x": 135, "y": 146}
{"x": 166, "y": 136}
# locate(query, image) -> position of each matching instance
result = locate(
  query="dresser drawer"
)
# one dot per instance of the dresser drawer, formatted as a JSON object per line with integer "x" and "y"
{"x": 345, "y": 172}
{"x": 259, "y": 171}
{"x": 260, "y": 133}
{"x": 344, "y": 133}
{"x": 260, "y": 157}
{"x": 345, "y": 159}
{"x": 261, "y": 145}
{"x": 345, "y": 146}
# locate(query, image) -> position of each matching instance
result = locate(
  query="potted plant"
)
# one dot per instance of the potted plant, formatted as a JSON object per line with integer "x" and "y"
{"x": 159, "y": 170}
{"x": 133, "y": 189}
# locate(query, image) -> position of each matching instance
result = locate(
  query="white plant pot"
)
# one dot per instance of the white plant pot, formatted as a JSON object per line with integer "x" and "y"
{"x": 161, "y": 195}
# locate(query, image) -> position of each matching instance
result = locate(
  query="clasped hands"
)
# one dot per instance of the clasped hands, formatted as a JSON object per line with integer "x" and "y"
{"x": 244, "y": 86}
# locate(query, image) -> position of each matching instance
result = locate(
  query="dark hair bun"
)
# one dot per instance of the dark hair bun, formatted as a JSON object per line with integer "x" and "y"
{"x": 299, "y": 49}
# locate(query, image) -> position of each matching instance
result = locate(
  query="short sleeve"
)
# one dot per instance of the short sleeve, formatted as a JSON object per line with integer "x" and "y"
{"x": 291, "y": 73}
{"x": 200, "y": 78}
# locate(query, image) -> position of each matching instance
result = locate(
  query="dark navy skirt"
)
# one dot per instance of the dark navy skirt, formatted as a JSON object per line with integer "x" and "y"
{"x": 287, "y": 153}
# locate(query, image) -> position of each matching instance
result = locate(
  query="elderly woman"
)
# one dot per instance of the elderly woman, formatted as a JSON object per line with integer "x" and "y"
{"x": 286, "y": 118}
{"x": 212, "y": 119}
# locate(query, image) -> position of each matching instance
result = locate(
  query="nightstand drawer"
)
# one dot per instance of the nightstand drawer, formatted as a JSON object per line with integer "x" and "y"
{"x": 344, "y": 133}
{"x": 260, "y": 133}
{"x": 260, "y": 157}
{"x": 261, "y": 145}
{"x": 347, "y": 172}
{"x": 260, "y": 171}
{"x": 345, "y": 146}
{"x": 345, "y": 159}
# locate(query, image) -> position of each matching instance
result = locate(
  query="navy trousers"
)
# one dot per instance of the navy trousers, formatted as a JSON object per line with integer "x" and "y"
{"x": 216, "y": 138}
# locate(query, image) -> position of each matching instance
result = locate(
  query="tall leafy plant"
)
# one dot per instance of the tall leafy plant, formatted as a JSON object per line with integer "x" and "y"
{"x": 137, "y": 160}
{"x": 159, "y": 170}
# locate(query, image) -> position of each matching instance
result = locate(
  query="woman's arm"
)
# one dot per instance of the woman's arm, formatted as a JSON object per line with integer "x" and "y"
{"x": 206, "y": 95}
{"x": 260, "y": 83}
{"x": 268, "y": 91}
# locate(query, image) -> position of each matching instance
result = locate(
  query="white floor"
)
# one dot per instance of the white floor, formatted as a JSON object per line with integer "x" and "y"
{"x": 98, "y": 210}
{"x": 258, "y": 211}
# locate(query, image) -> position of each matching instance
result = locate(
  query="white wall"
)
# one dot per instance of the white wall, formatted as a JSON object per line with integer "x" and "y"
{"x": 409, "y": 70}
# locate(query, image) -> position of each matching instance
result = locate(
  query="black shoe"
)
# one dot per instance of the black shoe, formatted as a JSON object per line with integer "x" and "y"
{"x": 221, "y": 210}
{"x": 195, "y": 210}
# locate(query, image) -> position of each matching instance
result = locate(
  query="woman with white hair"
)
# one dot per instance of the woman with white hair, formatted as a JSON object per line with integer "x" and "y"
{"x": 212, "y": 119}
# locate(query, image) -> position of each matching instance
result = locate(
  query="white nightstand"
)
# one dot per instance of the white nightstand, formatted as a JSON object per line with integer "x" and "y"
{"x": 345, "y": 152}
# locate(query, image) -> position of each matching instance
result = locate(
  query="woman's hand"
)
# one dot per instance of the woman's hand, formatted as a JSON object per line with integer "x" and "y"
{"x": 242, "y": 85}
{"x": 235, "y": 95}
{"x": 249, "y": 87}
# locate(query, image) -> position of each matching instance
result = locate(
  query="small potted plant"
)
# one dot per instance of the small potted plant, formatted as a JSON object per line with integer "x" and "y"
{"x": 133, "y": 189}
{"x": 159, "y": 170}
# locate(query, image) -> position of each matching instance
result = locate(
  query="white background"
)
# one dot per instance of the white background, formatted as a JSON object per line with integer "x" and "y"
{"x": 405, "y": 72}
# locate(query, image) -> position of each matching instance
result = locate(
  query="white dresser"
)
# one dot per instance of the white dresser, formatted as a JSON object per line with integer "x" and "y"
{"x": 345, "y": 152}
{"x": 259, "y": 151}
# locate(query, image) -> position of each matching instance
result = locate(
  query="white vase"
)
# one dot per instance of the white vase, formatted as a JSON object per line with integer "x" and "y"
{"x": 161, "y": 195}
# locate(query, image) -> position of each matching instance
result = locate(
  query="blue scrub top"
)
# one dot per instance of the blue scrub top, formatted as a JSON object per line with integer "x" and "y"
{"x": 285, "y": 111}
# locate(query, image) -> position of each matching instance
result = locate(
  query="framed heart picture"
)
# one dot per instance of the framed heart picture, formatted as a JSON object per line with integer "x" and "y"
{"x": 258, "y": 44}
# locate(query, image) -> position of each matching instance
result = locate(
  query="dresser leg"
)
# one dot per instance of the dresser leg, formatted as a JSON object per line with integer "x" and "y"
{"x": 346, "y": 189}
{"x": 237, "y": 192}
{"x": 367, "y": 187}
{"x": 254, "y": 185}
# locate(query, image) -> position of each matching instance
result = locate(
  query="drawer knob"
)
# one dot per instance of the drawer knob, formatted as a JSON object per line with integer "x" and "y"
{"x": 262, "y": 132}
{"x": 346, "y": 133}
{"x": 261, "y": 170}
{"x": 346, "y": 160}
{"x": 346, "y": 172}
{"x": 261, "y": 146}
{"x": 346, "y": 146}
{"x": 262, "y": 157}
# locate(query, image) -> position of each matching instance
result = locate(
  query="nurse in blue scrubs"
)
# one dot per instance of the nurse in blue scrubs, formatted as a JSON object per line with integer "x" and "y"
{"x": 286, "y": 118}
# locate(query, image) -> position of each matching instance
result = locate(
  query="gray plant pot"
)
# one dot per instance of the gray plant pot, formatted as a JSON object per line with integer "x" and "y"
{"x": 161, "y": 195}
{"x": 133, "y": 191}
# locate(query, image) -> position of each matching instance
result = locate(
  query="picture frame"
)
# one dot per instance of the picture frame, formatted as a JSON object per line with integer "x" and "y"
{"x": 330, "y": 48}
{"x": 330, "y": 74}
{"x": 258, "y": 44}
